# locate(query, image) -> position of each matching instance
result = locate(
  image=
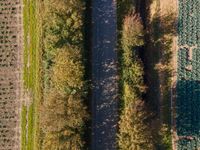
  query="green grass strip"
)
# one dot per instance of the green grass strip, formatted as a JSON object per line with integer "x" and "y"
{"x": 31, "y": 73}
{"x": 30, "y": 127}
{"x": 23, "y": 126}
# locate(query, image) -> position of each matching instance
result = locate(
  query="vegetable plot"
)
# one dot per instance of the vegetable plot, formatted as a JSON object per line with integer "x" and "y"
{"x": 188, "y": 76}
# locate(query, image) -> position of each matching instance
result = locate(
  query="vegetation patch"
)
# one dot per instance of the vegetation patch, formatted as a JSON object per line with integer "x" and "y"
{"x": 133, "y": 132}
{"x": 145, "y": 49}
{"x": 23, "y": 126}
{"x": 64, "y": 107}
{"x": 188, "y": 76}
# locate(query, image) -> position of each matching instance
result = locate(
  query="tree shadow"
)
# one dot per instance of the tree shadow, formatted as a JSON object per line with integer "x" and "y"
{"x": 188, "y": 113}
{"x": 87, "y": 53}
{"x": 157, "y": 55}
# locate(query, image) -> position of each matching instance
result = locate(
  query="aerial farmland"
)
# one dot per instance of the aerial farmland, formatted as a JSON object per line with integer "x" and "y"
{"x": 10, "y": 69}
{"x": 99, "y": 75}
{"x": 188, "y": 75}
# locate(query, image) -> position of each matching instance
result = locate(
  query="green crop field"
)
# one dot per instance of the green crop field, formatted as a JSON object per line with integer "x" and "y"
{"x": 188, "y": 81}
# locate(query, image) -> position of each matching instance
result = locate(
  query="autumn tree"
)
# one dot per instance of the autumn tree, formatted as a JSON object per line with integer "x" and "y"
{"x": 63, "y": 120}
{"x": 68, "y": 70}
{"x": 63, "y": 26}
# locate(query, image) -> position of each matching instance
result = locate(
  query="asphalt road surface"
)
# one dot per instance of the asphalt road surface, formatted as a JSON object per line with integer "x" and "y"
{"x": 105, "y": 75}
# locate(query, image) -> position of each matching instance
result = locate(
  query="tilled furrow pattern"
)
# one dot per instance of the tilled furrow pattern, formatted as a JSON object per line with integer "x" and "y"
{"x": 10, "y": 76}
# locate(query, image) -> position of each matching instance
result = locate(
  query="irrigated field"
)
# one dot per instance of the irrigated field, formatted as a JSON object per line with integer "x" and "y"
{"x": 188, "y": 76}
{"x": 10, "y": 77}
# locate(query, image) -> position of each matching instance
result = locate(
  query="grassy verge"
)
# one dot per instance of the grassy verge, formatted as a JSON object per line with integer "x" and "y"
{"x": 31, "y": 74}
{"x": 30, "y": 127}
{"x": 23, "y": 126}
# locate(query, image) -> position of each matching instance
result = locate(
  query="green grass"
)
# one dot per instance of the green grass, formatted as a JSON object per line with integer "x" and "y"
{"x": 30, "y": 44}
{"x": 23, "y": 125}
{"x": 30, "y": 127}
{"x": 31, "y": 73}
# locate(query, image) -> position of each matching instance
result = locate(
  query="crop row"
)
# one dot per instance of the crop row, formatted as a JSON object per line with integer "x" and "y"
{"x": 187, "y": 144}
{"x": 183, "y": 63}
{"x": 189, "y": 22}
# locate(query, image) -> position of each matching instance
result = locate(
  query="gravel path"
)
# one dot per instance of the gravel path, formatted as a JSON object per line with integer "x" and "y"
{"x": 105, "y": 75}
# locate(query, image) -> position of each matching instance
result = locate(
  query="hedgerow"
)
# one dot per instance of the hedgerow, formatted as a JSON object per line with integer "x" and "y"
{"x": 63, "y": 111}
{"x": 133, "y": 130}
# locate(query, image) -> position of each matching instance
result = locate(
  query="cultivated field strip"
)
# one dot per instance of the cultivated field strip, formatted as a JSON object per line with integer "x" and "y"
{"x": 10, "y": 73}
{"x": 188, "y": 78}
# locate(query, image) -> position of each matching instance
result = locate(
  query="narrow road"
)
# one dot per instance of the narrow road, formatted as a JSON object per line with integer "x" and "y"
{"x": 105, "y": 75}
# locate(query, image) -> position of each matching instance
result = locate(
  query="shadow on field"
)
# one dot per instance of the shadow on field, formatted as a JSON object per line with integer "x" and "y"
{"x": 157, "y": 58}
{"x": 188, "y": 113}
{"x": 156, "y": 55}
{"x": 88, "y": 73}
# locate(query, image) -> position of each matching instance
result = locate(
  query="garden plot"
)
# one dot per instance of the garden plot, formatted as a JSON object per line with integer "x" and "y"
{"x": 10, "y": 76}
{"x": 188, "y": 76}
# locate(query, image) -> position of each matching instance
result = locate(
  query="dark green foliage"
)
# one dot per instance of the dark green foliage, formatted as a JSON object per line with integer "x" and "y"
{"x": 188, "y": 85}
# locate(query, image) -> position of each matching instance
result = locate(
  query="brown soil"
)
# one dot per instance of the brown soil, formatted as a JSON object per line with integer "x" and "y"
{"x": 11, "y": 73}
{"x": 162, "y": 14}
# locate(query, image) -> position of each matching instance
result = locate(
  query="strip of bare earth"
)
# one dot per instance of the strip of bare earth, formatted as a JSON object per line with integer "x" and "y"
{"x": 168, "y": 15}
{"x": 10, "y": 73}
{"x": 168, "y": 11}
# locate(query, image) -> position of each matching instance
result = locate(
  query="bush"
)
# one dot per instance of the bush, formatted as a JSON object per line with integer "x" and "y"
{"x": 63, "y": 120}
{"x": 134, "y": 134}
{"x": 68, "y": 70}
{"x": 63, "y": 26}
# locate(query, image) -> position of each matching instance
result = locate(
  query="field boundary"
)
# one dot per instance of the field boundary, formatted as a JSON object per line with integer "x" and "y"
{"x": 11, "y": 66}
{"x": 174, "y": 82}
